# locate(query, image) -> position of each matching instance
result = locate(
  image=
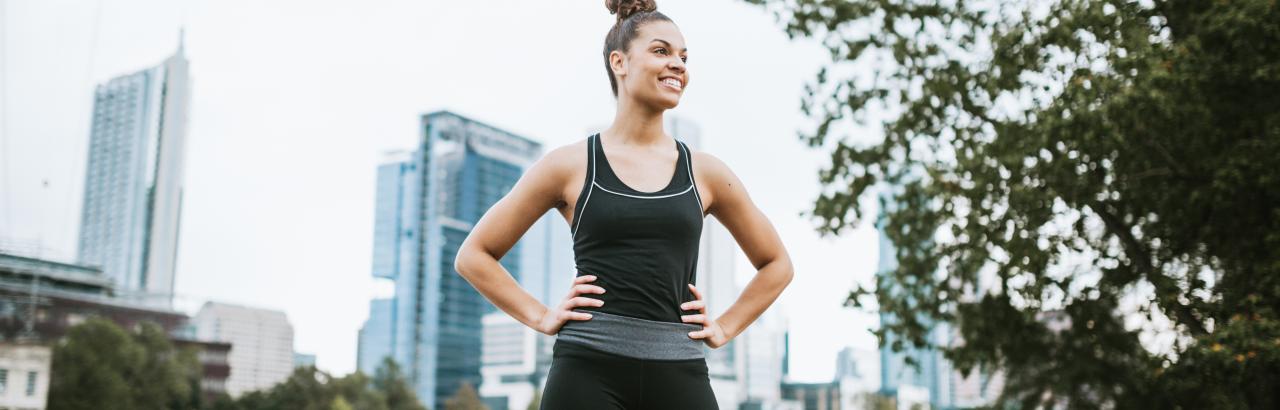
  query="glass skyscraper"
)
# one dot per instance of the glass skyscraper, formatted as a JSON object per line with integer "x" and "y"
{"x": 428, "y": 202}
{"x": 926, "y": 382}
{"x": 932, "y": 380}
{"x": 134, "y": 178}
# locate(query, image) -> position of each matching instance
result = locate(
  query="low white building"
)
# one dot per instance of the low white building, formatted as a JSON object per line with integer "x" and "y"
{"x": 509, "y": 362}
{"x": 24, "y": 376}
{"x": 261, "y": 344}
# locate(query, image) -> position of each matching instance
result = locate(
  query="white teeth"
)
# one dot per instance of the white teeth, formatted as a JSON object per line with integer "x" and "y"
{"x": 672, "y": 82}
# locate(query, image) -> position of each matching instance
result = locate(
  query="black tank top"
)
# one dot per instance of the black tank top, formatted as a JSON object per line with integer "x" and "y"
{"x": 641, "y": 246}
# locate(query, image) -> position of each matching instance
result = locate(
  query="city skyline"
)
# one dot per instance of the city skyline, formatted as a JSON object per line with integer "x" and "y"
{"x": 307, "y": 139}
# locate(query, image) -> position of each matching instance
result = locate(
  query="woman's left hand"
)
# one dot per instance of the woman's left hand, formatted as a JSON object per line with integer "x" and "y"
{"x": 711, "y": 334}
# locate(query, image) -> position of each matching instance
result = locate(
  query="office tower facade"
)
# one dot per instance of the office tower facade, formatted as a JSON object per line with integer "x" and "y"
{"x": 392, "y": 236}
{"x": 261, "y": 343}
{"x": 460, "y": 168}
{"x": 718, "y": 255}
{"x": 925, "y": 383}
{"x": 374, "y": 343}
{"x": 134, "y": 180}
{"x": 515, "y": 359}
{"x": 764, "y": 359}
{"x": 932, "y": 380}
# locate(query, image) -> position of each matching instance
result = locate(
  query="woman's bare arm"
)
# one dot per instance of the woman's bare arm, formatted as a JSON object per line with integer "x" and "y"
{"x": 731, "y": 205}
{"x": 538, "y": 190}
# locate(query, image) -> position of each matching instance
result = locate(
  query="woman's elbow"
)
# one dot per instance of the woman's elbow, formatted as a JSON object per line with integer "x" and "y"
{"x": 786, "y": 271}
{"x": 463, "y": 261}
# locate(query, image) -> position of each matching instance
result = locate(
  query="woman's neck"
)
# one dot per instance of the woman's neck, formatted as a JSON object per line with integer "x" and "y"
{"x": 636, "y": 125}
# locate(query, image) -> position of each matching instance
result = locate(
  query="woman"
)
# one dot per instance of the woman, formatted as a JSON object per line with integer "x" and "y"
{"x": 630, "y": 331}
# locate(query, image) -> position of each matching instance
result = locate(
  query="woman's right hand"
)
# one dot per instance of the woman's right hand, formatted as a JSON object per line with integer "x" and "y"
{"x": 555, "y": 317}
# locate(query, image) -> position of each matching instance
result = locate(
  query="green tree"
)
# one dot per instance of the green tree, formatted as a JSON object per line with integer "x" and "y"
{"x": 98, "y": 365}
{"x": 465, "y": 399}
{"x": 876, "y": 401}
{"x": 308, "y": 388}
{"x": 1066, "y": 176}
{"x": 394, "y": 387}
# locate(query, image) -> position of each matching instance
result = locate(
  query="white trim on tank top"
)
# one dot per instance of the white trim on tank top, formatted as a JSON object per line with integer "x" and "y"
{"x": 688, "y": 163}
{"x": 692, "y": 186}
{"x": 602, "y": 188}
{"x": 591, "y": 143}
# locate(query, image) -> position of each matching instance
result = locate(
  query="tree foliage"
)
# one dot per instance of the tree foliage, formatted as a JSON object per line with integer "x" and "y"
{"x": 465, "y": 398}
{"x": 308, "y": 388}
{"x": 99, "y": 365}
{"x": 1084, "y": 189}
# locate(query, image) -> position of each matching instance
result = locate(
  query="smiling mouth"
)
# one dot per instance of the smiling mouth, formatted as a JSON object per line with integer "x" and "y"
{"x": 673, "y": 83}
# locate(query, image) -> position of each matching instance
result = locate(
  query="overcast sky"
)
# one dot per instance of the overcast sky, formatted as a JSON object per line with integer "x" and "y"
{"x": 294, "y": 102}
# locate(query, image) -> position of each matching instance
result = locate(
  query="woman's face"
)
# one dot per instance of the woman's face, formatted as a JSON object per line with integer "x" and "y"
{"x": 653, "y": 71}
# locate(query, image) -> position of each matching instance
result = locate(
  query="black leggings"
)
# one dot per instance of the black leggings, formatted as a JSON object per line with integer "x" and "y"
{"x": 585, "y": 378}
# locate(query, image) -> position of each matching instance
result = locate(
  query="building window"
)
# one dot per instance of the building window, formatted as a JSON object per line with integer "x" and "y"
{"x": 4, "y": 380}
{"x": 31, "y": 384}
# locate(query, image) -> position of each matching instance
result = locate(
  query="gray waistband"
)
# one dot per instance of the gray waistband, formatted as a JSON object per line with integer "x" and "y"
{"x": 633, "y": 337}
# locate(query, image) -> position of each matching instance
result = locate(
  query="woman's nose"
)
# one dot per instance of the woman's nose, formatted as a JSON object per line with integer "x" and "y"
{"x": 676, "y": 64}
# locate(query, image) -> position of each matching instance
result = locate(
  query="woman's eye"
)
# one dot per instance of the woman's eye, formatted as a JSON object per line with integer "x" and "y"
{"x": 662, "y": 51}
{"x": 684, "y": 59}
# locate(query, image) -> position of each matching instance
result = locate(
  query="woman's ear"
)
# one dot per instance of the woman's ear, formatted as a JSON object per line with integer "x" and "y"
{"x": 618, "y": 61}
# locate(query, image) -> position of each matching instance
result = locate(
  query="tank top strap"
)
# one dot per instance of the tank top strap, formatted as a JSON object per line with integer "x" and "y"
{"x": 588, "y": 185}
{"x": 686, "y": 156}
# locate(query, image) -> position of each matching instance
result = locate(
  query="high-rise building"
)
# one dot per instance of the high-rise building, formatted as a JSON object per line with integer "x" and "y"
{"x": 428, "y": 203}
{"x": 374, "y": 343}
{"x": 925, "y": 382}
{"x": 392, "y": 237}
{"x": 764, "y": 357}
{"x": 922, "y": 375}
{"x": 261, "y": 344}
{"x": 717, "y": 269}
{"x": 134, "y": 178}
{"x": 515, "y": 358}
{"x": 304, "y": 359}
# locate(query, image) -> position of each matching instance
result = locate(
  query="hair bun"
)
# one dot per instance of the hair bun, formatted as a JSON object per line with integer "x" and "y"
{"x": 625, "y": 8}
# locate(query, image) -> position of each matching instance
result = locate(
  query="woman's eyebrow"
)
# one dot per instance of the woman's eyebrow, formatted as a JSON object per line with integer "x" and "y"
{"x": 668, "y": 44}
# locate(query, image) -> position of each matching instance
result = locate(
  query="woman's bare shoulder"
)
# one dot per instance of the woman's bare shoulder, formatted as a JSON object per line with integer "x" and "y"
{"x": 565, "y": 160}
{"x": 556, "y": 170}
{"x": 708, "y": 167}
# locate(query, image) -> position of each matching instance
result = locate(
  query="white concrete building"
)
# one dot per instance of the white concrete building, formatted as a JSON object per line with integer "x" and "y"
{"x": 509, "y": 362}
{"x": 24, "y": 376}
{"x": 261, "y": 343}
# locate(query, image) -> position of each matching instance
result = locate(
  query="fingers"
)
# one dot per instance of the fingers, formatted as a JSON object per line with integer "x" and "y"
{"x": 567, "y": 312}
{"x": 694, "y": 319}
{"x": 696, "y": 293}
{"x": 694, "y": 305}
{"x": 580, "y": 286}
{"x": 699, "y": 334}
{"x": 699, "y": 305}
{"x": 577, "y": 290}
{"x": 571, "y": 315}
{"x": 581, "y": 301}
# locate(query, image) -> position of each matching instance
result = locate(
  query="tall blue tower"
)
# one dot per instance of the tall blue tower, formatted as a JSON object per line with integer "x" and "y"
{"x": 428, "y": 201}
{"x": 932, "y": 374}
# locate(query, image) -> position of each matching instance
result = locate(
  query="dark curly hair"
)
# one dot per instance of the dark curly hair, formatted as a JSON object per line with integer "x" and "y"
{"x": 631, "y": 15}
